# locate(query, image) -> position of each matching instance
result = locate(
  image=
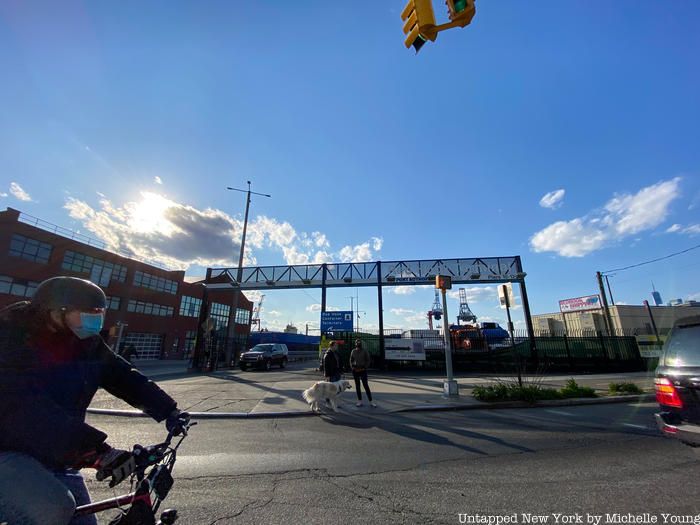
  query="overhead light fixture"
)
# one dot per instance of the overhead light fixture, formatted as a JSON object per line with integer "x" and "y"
{"x": 306, "y": 281}
{"x": 475, "y": 276}
{"x": 347, "y": 279}
{"x": 270, "y": 282}
{"x": 390, "y": 278}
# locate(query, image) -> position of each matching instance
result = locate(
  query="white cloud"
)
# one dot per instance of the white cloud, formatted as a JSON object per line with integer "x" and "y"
{"x": 293, "y": 256}
{"x": 361, "y": 252}
{"x": 622, "y": 216}
{"x": 177, "y": 235}
{"x": 477, "y": 294}
{"x": 19, "y": 193}
{"x": 693, "y": 297}
{"x": 157, "y": 180}
{"x": 316, "y": 307}
{"x": 574, "y": 238}
{"x": 418, "y": 320}
{"x": 273, "y": 313}
{"x": 553, "y": 199}
{"x": 265, "y": 231}
{"x": 645, "y": 210}
{"x": 401, "y": 311}
{"x": 691, "y": 229}
{"x": 322, "y": 257}
{"x": 320, "y": 240}
{"x": 253, "y": 295}
{"x": 403, "y": 290}
{"x": 3, "y": 194}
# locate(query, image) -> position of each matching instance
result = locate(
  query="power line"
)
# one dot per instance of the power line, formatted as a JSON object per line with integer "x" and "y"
{"x": 652, "y": 261}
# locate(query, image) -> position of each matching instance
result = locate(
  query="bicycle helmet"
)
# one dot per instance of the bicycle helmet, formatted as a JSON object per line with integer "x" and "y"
{"x": 68, "y": 293}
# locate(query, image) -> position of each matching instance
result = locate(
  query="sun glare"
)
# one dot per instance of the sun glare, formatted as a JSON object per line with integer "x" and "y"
{"x": 148, "y": 215}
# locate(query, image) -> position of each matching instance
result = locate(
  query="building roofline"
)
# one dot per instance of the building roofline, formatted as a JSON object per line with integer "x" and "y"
{"x": 25, "y": 218}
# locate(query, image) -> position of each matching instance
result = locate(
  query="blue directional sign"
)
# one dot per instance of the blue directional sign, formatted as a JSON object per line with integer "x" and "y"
{"x": 336, "y": 321}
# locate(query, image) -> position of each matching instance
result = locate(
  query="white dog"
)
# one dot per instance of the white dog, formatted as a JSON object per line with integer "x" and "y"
{"x": 325, "y": 390}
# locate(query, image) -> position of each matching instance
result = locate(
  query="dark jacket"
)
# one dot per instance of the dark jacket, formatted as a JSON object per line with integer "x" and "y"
{"x": 331, "y": 364}
{"x": 359, "y": 359}
{"x": 48, "y": 381}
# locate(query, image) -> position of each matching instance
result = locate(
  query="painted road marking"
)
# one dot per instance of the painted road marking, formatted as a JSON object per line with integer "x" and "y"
{"x": 635, "y": 426}
{"x": 559, "y": 412}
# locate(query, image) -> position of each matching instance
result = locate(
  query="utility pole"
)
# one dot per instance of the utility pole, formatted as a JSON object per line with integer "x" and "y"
{"x": 606, "y": 308}
{"x": 450, "y": 386}
{"x": 612, "y": 300}
{"x": 516, "y": 356}
{"x": 653, "y": 323}
{"x": 239, "y": 274}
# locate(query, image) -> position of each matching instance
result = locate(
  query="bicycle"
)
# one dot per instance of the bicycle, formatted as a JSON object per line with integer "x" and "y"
{"x": 150, "y": 483}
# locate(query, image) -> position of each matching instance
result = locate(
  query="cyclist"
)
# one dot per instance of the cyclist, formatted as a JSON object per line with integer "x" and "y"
{"x": 52, "y": 361}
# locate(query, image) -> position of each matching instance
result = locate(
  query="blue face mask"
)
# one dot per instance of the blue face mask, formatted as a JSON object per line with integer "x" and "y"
{"x": 91, "y": 324}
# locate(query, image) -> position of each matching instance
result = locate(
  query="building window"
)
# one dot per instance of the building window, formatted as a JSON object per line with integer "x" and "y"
{"x": 30, "y": 249}
{"x": 142, "y": 307}
{"x": 153, "y": 282}
{"x": 219, "y": 313}
{"x": 190, "y": 306}
{"x": 190, "y": 338}
{"x": 242, "y": 316}
{"x": 113, "y": 303}
{"x": 101, "y": 272}
{"x": 17, "y": 287}
{"x": 148, "y": 346}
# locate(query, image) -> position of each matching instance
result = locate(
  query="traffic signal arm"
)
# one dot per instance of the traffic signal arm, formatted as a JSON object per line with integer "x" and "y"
{"x": 419, "y": 20}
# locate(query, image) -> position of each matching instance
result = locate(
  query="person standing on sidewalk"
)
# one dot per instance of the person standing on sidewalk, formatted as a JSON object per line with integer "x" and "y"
{"x": 359, "y": 362}
{"x": 331, "y": 363}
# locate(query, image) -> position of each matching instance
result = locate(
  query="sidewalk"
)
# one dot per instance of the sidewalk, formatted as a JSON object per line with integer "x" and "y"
{"x": 232, "y": 393}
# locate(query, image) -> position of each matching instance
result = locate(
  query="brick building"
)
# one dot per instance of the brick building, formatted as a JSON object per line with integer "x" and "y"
{"x": 158, "y": 308}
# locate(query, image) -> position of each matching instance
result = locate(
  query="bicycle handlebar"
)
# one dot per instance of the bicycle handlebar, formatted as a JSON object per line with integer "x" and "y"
{"x": 149, "y": 455}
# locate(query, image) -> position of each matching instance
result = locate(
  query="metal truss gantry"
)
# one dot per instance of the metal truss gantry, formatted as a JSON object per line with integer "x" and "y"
{"x": 484, "y": 270}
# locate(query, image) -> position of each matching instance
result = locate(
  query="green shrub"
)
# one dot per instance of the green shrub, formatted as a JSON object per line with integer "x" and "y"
{"x": 573, "y": 389}
{"x": 625, "y": 389}
{"x": 530, "y": 392}
{"x": 513, "y": 392}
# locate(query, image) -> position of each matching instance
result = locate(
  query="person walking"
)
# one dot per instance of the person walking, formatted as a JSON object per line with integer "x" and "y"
{"x": 359, "y": 362}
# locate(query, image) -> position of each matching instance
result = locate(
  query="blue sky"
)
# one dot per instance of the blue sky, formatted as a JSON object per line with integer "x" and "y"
{"x": 564, "y": 133}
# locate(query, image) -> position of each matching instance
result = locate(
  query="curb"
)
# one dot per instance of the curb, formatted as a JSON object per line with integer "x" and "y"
{"x": 540, "y": 404}
{"x": 204, "y": 415}
{"x": 418, "y": 408}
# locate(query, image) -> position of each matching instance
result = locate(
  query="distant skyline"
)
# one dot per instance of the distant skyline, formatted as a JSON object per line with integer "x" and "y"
{"x": 563, "y": 134}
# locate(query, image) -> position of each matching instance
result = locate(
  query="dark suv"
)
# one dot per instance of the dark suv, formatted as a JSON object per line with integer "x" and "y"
{"x": 264, "y": 356}
{"x": 677, "y": 383}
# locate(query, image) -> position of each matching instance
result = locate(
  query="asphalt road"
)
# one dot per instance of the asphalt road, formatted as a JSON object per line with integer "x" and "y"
{"x": 425, "y": 467}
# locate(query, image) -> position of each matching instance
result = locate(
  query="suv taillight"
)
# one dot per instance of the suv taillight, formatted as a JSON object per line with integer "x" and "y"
{"x": 666, "y": 393}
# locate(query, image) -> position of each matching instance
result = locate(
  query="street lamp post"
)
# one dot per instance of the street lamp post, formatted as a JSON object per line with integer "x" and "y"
{"x": 239, "y": 273}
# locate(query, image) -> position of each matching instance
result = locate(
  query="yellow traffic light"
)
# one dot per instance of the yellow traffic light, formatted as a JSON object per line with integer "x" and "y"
{"x": 461, "y": 12}
{"x": 419, "y": 23}
{"x": 443, "y": 282}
